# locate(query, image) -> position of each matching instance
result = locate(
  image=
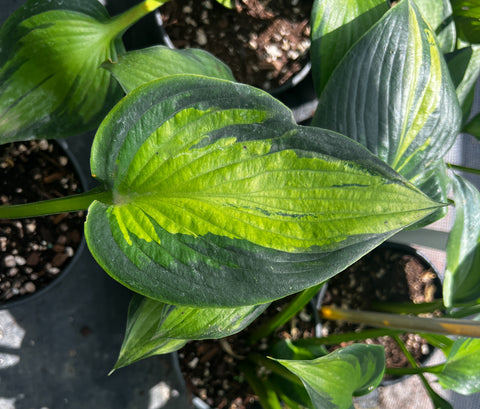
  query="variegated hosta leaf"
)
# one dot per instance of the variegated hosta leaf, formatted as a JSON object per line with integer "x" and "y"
{"x": 138, "y": 67}
{"x": 462, "y": 278}
{"x": 392, "y": 93}
{"x": 438, "y": 14}
{"x": 460, "y": 372}
{"x": 336, "y": 26}
{"x": 332, "y": 380}
{"x": 51, "y": 82}
{"x": 155, "y": 328}
{"x": 220, "y": 199}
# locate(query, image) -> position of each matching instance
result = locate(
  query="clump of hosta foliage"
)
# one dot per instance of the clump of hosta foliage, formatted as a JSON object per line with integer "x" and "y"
{"x": 212, "y": 202}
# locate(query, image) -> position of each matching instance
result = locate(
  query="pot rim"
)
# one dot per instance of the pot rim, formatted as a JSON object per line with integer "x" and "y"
{"x": 407, "y": 249}
{"x": 292, "y": 82}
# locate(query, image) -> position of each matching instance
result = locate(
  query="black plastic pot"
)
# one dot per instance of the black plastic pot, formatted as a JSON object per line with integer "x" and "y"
{"x": 297, "y": 93}
{"x": 56, "y": 350}
{"x": 82, "y": 176}
{"x": 197, "y": 403}
{"x": 396, "y": 248}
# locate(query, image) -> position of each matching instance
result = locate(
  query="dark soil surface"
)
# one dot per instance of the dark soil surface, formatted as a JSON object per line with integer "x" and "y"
{"x": 211, "y": 368}
{"x": 34, "y": 251}
{"x": 264, "y": 42}
{"x": 385, "y": 274}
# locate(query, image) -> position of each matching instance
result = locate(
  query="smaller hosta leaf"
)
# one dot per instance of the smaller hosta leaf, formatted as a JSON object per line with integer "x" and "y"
{"x": 51, "y": 82}
{"x": 138, "y": 67}
{"x": 155, "y": 328}
{"x": 336, "y": 26}
{"x": 460, "y": 372}
{"x": 220, "y": 199}
{"x": 462, "y": 281}
{"x": 332, "y": 380}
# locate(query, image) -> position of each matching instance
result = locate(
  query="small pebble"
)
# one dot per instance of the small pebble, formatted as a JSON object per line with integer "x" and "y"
{"x": 201, "y": 37}
{"x": 9, "y": 261}
{"x": 29, "y": 287}
{"x": 20, "y": 261}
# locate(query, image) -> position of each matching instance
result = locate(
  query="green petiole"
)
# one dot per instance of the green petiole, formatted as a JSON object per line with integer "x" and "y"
{"x": 119, "y": 24}
{"x": 59, "y": 205}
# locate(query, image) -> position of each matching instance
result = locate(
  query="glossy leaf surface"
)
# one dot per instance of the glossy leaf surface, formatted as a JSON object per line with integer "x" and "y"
{"x": 462, "y": 281}
{"x": 155, "y": 328}
{"x": 220, "y": 199}
{"x": 336, "y": 26}
{"x": 438, "y": 14}
{"x": 51, "y": 83}
{"x": 332, "y": 380}
{"x": 460, "y": 372}
{"x": 407, "y": 112}
{"x": 138, "y": 67}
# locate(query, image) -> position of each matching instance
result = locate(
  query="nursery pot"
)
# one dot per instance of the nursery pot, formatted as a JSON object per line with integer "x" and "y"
{"x": 392, "y": 273}
{"x": 37, "y": 253}
{"x": 266, "y": 44}
{"x": 219, "y": 359}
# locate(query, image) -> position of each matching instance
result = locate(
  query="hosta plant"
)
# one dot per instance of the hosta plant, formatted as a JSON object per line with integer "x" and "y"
{"x": 212, "y": 202}
{"x": 388, "y": 78}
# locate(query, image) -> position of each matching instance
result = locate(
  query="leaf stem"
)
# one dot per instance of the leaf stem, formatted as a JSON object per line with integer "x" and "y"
{"x": 464, "y": 311}
{"x": 406, "y": 352}
{"x": 292, "y": 309}
{"x": 408, "y": 308}
{"x": 119, "y": 24}
{"x": 464, "y": 169}
{"x": 267, "y": 396}
{"x": 334, "y": 339}
{"x": 414, "y": 371}
{"x": 433, "y": 395}
{"x": 449, "y": 326}
{"x": 275, "y": 367}
{"x": 65, "y": 204}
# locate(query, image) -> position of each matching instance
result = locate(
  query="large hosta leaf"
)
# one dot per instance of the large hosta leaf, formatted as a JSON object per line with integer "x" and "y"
{"x": 392, "y": 92}
{"x": 155, "y": 328}
{"x": 462, "y": 278}
{"x": 51, "y": 82}
{"x": 438, "y": 14}
{"x": 336, "y": 26}
{"x": 220, "y": 199}
{"x": 460, "y": 372}
{"x": 138, "y": 67}
{"x": 332, "y": 380}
